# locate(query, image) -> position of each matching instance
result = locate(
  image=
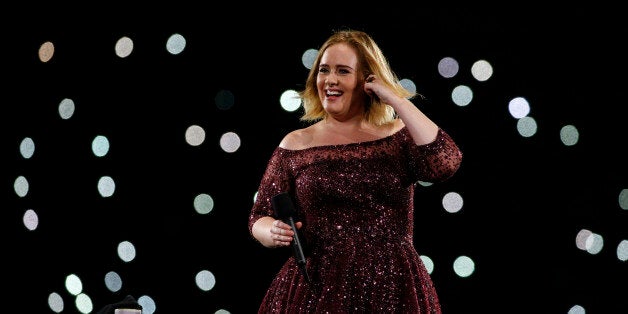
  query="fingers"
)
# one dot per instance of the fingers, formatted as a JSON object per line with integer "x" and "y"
{"x": 280, "y": 226}
{"x": 281, "y": 233}
{"x": 281, "y": 240}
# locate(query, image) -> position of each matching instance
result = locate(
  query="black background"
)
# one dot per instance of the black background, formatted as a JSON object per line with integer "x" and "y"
{"x": 525, "y": 199}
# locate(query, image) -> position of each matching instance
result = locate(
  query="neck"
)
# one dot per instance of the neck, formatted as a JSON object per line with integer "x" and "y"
{"x": 354, "y": 122}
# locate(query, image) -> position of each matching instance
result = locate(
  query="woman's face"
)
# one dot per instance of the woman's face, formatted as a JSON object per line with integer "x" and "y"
{"x": 338, "y": 80}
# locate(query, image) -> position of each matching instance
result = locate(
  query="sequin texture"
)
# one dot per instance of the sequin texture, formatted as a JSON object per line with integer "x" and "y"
{"x": 356, "y": 204}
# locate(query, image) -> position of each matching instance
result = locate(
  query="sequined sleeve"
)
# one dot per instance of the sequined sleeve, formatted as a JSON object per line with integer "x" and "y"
{"x": 436, "y": 161}
{"x": 274, "y": 181}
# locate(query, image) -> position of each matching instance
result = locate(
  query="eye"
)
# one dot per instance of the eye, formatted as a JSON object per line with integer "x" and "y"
{"x": 323, "y": 70}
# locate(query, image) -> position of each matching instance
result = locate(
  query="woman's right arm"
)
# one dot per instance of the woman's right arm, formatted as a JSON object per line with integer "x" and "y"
{"x": 263, "y": 225}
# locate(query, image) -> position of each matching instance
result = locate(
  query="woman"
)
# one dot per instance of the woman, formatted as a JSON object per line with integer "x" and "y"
{"x": 352, "y": 174}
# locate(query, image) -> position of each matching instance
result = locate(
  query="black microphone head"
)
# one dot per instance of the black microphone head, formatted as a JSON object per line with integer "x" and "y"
{"x": 283, "y": 205}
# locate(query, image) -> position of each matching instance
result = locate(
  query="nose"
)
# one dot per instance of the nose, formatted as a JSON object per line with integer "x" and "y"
{"x": 331, "y": 79}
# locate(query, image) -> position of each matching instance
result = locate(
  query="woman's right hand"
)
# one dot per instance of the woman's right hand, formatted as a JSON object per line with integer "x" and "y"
{"x": 271, "y": 232}
{"x": 281, "y": 232}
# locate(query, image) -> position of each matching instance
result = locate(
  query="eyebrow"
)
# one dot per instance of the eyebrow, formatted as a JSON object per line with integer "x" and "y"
{"x": 339, "y": 66}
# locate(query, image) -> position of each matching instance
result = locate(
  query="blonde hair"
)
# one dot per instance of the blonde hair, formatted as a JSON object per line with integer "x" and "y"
{"x": 371, "y": 61}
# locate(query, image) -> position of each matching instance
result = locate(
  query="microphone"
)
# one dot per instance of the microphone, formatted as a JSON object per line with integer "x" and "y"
{"x": 285, "y": 210}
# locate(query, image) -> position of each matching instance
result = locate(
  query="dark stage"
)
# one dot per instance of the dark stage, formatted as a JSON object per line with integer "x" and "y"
{"x": 134, "y": 142}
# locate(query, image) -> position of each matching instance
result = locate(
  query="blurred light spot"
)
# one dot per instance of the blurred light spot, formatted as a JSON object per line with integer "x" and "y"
{"x": 113, "y": 282}
{"x": 126, "y": 251}
{"x": 46, "y": 51}
{"x": 84, "y": 303}
{"x": 100, "y": 146}
{"x": 481, "y": 70}
{"x": 569, "y": 135}
{"x": 230, "y": 142}
{"x": 464, "y": 266}
{"x": 462, "y": 95}
{"x": 148, "y": 304}
{"x": 519, "y": 107}
{"x": 622, "y": 250}
{"x": 424, "y": 183}
{"x": 526, "y": 126}
{"x": 224, "y": 99}
{"x": 452, "y": 202}
{"x": 308, "y": 58}
{"x": 576, "y": 309}
{"x": 203, "y": 203}
{"x": 175, "y": 44}
{"x": 429, "y": 264}
{"x": 255, "y": 196}
{"x": 66, "y": 108}
{"x": 589, "y": 241}
{"x": 408, "y": 85}
{"x": 290, "y": 100}
{"x": 205, "y": 280}
{"x": 195, "y": 135}
{"x": 73, "y": 284}
{"x": 27, "y": 148}
{"x": 581, "y": 239}
{"x": 222, "y": 311}
{"x": 30, "y": 220}
{"x": 623, "y": 199}
{"x": 595, "y": 243}
{"x": 55, "y": 302}
{"x": 106, "y": 186}
{"x": 124, "y": 47}
{"x": 448, "y": 67}
{"x": 20, "y": 185}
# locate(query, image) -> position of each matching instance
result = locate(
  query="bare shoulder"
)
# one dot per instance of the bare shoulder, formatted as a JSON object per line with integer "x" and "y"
{"x": 397, "y": 125}
{"x": 298, "y": 139}
{"x": 391, "y": 128}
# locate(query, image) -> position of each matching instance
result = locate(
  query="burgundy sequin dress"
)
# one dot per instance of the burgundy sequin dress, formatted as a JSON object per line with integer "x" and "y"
{"x": 356, "y": 204}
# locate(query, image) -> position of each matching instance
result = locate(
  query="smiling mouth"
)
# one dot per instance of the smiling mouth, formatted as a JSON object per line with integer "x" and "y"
{"x": 332, "y": 93}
